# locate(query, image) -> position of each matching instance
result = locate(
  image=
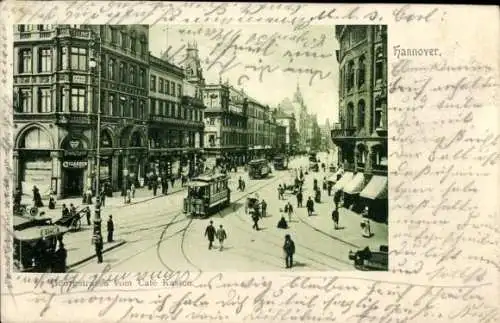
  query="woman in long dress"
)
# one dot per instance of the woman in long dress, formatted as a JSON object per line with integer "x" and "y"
{"x": 37, "y": 198}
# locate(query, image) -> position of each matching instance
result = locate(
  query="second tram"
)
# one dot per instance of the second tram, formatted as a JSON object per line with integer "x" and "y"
{"x": 207, "y": 194}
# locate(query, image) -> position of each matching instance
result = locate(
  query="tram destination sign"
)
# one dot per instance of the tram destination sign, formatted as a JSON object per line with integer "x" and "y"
{"x": 75, "y": 164}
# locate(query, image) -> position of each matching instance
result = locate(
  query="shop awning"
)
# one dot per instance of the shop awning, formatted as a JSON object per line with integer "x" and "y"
{"x": 376, "y": 188}
{"x": 344, "y": 180}
{"x": 356, "y": 184}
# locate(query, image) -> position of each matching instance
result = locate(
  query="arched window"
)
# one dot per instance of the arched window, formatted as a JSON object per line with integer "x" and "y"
{"x": 132, "y": 75}
{"x": 350, "y": 75}
{"x": 135, "y": 141}
{"x": 123, "y": 72}
{"x": 361, "y": 114}
{"x": 350, "y": 116}
{"x": 361, "y": 71}
{"x": 378, "y": 113}
{"x": 106, "y": 141}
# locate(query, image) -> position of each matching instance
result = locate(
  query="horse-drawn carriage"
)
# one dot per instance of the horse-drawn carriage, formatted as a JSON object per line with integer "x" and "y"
{"x": 73, "y": 221}
{"x": 367, "y": 260}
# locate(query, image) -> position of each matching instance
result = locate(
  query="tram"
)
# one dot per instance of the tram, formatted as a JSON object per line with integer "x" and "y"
{"x": 280, "y": 162}
{"x": 207, "y": 194}
{"x": 313, "y": 162}
{"x": 35, "y": 241}
{"x": 258, "y": 168}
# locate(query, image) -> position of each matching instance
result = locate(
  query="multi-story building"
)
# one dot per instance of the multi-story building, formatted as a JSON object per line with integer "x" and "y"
{"x": 56, "y": 105}
{"x": 175, "y": 121}
{"x": 256, "y": 113}
{"x": 291, "y": 135}
{"x": 361, "y": 135}
{"x": 225, "y": 123}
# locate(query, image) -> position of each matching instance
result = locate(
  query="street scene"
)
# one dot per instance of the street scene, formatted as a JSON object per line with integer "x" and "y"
{"x": 133, "y": 157}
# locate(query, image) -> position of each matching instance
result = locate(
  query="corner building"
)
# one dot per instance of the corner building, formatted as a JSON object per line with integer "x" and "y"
{"x": 361, "y": 135}
{"x": 56, "y": 105}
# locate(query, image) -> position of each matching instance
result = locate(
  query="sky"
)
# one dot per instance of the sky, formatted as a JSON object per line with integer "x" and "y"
{"x": 266, "y": 61}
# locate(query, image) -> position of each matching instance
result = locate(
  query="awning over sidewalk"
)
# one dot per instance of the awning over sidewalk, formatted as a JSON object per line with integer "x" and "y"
{"x": 346, "y": 178}
{"x": 356, "y": 184}
{"x": 376, "y": 188}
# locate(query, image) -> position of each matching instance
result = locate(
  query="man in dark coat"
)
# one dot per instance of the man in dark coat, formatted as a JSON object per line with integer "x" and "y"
{"x": 60, "y": 259}
{"x": 299, "y": 198}
{"x": 263, "y": 206}
{"x": 335, "y": 218}
{"x": 98, "y": 243}
{"x": 111, "y": 228}
{"x": 336, "y": 199}
{"x": 310, "y": 206}
{"x": 289, "y": 249}
{"x": 210, "y": 234}
{"x": 65, "y": 211}
{"x": 255, "y": 219}
{"x": 164, "y": 186}
{"x": 155, "y": 187}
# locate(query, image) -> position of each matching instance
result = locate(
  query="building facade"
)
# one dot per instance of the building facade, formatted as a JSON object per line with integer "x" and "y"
{"x": 225, "y": 124}
{"x": 291, "y": 135}
{"x": 56, "y": 105}
{"x": 175, "y": 125}
{"x": 361, "y": 135}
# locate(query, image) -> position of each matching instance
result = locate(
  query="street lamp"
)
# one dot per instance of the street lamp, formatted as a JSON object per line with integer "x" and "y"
{"x": 95, "y": 63}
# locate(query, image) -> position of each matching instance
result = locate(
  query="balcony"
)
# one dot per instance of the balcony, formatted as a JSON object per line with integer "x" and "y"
{"x": 63, "y": 118}
{"x": 343, "y": 133}
{"x": 381, "y": 132}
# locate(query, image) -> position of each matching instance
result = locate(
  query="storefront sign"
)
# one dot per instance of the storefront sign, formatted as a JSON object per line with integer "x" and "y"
{"x": 50, "y": 231}
{"x": 75, "y": 164}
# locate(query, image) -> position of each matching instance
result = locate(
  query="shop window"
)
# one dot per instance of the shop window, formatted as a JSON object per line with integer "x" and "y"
{"x": 78, "y": 100}
{"x": 25, "y": 61}
{"x": 45, "y": 60}
{"x": 78, "y": 59}
{"x": 64, "y": 58}
{"x": 44, "y": 100}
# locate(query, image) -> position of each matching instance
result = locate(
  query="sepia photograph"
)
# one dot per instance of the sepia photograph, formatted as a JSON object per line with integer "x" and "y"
{"x": 191, "y": 147}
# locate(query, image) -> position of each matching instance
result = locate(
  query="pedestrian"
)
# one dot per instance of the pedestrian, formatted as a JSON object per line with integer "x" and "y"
{"x": 103, "y": 196}
{"x": 221, "y": 235}
{"x": 65, "y": 211}
{"x": 132, "y": 190}
{"x": 335, "y": 218}
{"x": 37, "y": 198}
{"x": 60, "y": 258}
{"x": 282, "y": 223}
{"x": 310, "y": 206}
{"x": 299, "y": 198}
{"x": 210, "y": 234}
{"x": 128, "y": 195}
{"x": 263, "y": 206}
{"x": 87, "y": 215}
{"x": 172, "y": 180}
{"x": 155, "y": 187}
{"x": 111, "y": 228}
{"x": 289, "y": 211}
{"x": 164, "y": 187}
{"x": 336, "y": 198}
{"x": 279, "y": 192}
{"x": 255, "y": 219}
{"x": 98, "y": 244}
{"x": 72, "y": 209}
{"x": 324, "y": 183}
{"x": 330, "y": 186}
{"x": 289, "y": 249}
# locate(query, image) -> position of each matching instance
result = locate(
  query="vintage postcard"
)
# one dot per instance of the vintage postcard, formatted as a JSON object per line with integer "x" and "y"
{"x": 200, "y": 162}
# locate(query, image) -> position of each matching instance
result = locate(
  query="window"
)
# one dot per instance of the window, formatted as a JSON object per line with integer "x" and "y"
{"x": 112, "y": 105}
{"x": 64, "y": 58}
{"x": 44, "y": 27}
{"x": 25, "y": 61}
{"x": 152, "y": 85}
{"x": 143, "y": 48}
{"x": 167, "y": 87}
{"x": 361, "y": 71}
{"x": 179, "y": 90}
{"x": 211, "y": 140}
{"x": 111, "y": 69}
{"x": 124, "y": 107}
{"x": 133, "y": 108}
{"x": 173, "y": 89}
{"x": 152, "y": 106}
{"x": 124, "y": 40}
{"x": 78, "y": 100}
{"x": 78, "y": 59}
{"x": 161, "y": 85}
{"x": 45, "y": 60}
{"x": 44, "y": 100}
{"x": 211, "y": 121}
{"x": 350, "y": 116}
{"x": 379, "y": 70}
{"x": 132, "y": 44}
{"x": 142, "y": 78}
{"x": 25, "y": 103}
{"x": 132, "y": 75}
{"x": 123, "y": 72}
{"x": 141, "y": 110}
{"x": 24, "y": 28}
{"x": 114, "y": 36}
{"x": 350, "y": 75}
{"x": 361, "y": 114}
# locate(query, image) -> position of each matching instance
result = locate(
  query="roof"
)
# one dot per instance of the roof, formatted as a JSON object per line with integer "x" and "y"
{"x": 209, "y": 178}
{"x": 255, "y": 161}
{"x": 38, "y": 232}
{"x": 280, "y": 114}
{"x": 197, "y": 184}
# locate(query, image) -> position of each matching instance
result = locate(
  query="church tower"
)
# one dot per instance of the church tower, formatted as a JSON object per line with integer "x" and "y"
{"x": 192, "y": 65}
